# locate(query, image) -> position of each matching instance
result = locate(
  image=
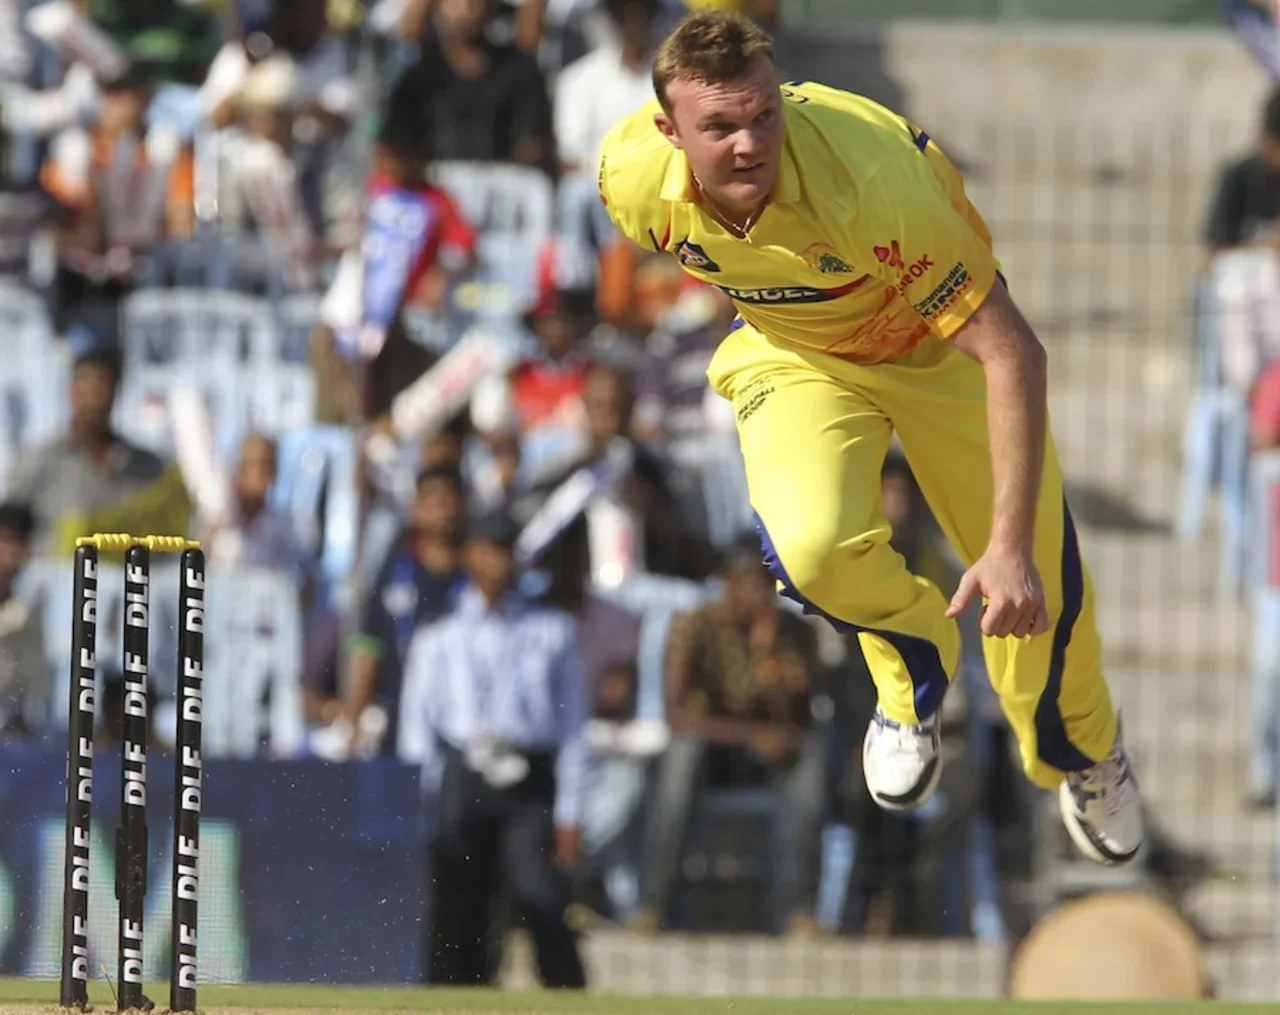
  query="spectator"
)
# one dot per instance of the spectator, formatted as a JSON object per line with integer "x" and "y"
{"x": 90, "y": 469}
{"x": 133, "y": 192}
{"x": 739, "y": 679}
{"x": 1243, "y": 236}
{"x": 416, "y": 585}
{"x": 596, "y": 91}
{"x": 322, "y": 102}
{"x": 592, "y": 94}
{"x": 470, "y": 98}
{"x": 671, "y": 395}
{"x": 493, "y": 709}
{"x": 666, "y": 547}
{"x": 526, "y": 24}
{"x": 255, "y": 534}
{"x": 492, "y": 460}
{"x": 609, "y": 642}
{"x": 547, "y": 386}
{"x": 298, "y": 30}
{"x": 24, "y": 675}
{"x": 445, "y": 448}
{"x": 416, "y": 245}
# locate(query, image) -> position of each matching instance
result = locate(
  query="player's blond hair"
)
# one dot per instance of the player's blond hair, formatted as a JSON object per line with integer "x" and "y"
{"x": 708, "y": 46}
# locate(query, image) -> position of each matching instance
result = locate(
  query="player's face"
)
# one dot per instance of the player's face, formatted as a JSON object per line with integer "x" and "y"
{"x": 731, "y": 132}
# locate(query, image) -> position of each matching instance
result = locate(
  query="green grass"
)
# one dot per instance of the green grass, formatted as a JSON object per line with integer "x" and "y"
{"x": 371, "y": 999}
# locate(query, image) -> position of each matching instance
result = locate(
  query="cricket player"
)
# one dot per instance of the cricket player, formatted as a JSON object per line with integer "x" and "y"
{"x": 870, "y": 302}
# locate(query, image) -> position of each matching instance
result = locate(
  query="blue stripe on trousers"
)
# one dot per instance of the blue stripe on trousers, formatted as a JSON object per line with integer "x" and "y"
{"x": 920, "y": 655}
{"x": 1053, "y": 746}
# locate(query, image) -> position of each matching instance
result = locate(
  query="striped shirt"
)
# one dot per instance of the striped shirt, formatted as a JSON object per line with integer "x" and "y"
{"x": 511, "y": 675}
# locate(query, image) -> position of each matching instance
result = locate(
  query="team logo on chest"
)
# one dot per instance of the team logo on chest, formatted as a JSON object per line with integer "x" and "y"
{"x": 693, "y": 256}
{"x": 825, "y": 259}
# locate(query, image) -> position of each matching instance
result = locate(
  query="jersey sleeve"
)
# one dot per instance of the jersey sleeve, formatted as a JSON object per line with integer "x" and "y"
{"x": 924, "y": 237}
{"x": 629, "y": 177}
{"x": 606, "y": 181}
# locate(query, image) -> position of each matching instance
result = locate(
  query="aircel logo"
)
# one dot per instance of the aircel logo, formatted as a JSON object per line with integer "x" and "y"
{"x": 791, "y": 294}
{"x": 892, "y": 257}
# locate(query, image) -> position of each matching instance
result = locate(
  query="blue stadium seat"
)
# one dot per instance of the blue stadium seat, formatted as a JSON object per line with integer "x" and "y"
{"x": 198, "y": 327}
{"x": 316, "y": 486}
{"x": 227, "y": 345}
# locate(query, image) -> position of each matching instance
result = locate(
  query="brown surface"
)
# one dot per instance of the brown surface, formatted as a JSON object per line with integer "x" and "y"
{"x": 1121, "y": 946}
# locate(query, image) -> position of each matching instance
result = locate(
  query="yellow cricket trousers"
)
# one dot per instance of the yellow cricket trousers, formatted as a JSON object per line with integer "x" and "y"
{"x": 814, "y": 431}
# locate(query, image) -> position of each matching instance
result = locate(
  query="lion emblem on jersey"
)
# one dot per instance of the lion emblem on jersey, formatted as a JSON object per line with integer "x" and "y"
{"x": 824, "y": 257}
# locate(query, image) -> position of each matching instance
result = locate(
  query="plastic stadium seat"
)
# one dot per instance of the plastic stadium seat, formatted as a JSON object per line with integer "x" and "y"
{"x": 253, "y": 665}
{"x": 198, "y": 327}
{"x": 513, "y": 207}
{"x": 298, "y": 317}
{"x": 142, "y": 407}
{"x": 24, "y": 322}
{"x": 229, "y": 346}
{"x": 657, "y": 600}
{"x": 500, "y": 198}
{"x": 316, "y": 485}
{"x": 35, "y": 374}
{"x": 253, "y": 652}
{"x": 49, "y": 582}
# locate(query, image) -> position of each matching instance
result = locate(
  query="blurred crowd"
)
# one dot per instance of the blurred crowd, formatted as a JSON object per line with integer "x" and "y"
{"x": 328, "y": 285}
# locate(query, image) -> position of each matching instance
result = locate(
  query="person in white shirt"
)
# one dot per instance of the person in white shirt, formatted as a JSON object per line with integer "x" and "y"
{"x": 592, "y": 94}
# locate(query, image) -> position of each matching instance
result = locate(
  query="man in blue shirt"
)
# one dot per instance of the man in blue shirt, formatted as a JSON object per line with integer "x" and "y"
{"x": 416, "y": 585}
{"x": 494, "y": 708}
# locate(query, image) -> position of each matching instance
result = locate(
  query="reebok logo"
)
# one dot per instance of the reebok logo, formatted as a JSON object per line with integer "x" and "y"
{"x": 891, "y": 256}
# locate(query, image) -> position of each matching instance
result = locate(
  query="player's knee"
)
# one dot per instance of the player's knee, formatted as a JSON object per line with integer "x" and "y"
{"x": 818, "y": 564}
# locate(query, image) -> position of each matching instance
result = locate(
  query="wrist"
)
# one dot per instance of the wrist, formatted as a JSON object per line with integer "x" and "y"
{"x": 1011, "y": 540}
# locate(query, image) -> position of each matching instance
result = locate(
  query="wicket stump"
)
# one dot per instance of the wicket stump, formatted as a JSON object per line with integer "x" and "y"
{"x": 132, "y": 836}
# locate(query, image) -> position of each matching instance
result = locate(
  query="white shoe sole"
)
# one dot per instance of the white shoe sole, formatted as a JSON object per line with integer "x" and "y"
{"x": 921, "y": 797}
{"x": 1082, "y": 839}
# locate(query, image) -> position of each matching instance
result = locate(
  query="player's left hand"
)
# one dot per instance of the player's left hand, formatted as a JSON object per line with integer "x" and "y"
{"x": 1008, "y": 581}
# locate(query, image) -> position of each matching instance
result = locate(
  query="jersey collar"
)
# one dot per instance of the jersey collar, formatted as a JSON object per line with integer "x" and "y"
{"x": 677, "y": 185}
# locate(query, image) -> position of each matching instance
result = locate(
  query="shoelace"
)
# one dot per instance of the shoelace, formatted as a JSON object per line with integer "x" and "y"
{"x": 905, "y": 736}
{"x": 1102, "y": 782}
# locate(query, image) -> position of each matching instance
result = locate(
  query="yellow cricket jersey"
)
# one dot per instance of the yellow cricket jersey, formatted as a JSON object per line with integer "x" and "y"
{"x": 867, "y": 247}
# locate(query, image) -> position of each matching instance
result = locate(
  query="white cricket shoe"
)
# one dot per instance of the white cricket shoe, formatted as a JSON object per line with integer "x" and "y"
{"x": 902, "y": 762}
{"x": 1102, "y": 808}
